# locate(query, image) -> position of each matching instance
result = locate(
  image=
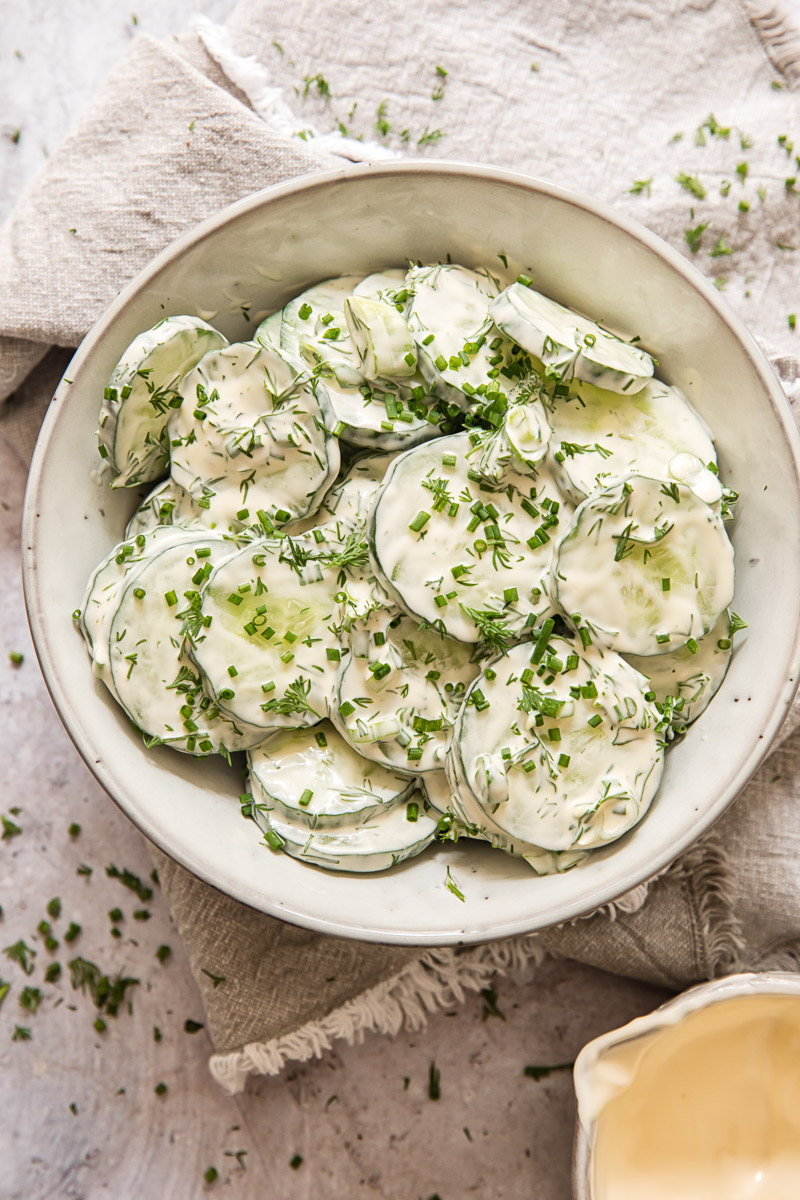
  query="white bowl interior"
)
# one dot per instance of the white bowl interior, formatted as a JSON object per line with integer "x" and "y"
{"x": 253, "y": 258}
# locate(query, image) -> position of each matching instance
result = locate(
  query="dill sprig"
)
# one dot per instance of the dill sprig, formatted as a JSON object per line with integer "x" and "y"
{"x": 493, "y": 630}
{"x": 293, "y": 701}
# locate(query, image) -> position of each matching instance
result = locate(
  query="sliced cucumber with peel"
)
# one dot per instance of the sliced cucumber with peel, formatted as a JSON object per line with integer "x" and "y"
{"x": 387, "y": 839}
{"x": 142, "y": 393}
{"x": 458, "y": 550}
{"x": 600, "y": 437}
{"x": 385, "y": 415}
{"x": 572, "y": 345}
{"x": 687, "y": 679}
{"x": 644, "y": 566}
{"x": 399, "y": 691}
{"x": 264, "y": 635}
{"x": 568, "y": 759}
{"x": 314, "y": 777}
{"x": 314, "y": 329}
{"x": 381, "y": 338}
{"x": 153, "y": 678}
{"x": 458, "y": 349}
{"x": 251, "y": 437}
{"x": 107, "y": 583}
{"x": 167, "y": 504}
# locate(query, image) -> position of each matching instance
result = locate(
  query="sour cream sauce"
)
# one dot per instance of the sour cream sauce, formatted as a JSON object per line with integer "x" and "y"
{"x": 703, "y": 1107}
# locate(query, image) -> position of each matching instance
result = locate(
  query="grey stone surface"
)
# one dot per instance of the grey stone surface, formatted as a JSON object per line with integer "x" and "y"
{"x": 80, "y": 1114}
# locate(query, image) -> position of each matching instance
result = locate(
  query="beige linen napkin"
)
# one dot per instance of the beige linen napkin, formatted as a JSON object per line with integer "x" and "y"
{"x": 590, "y": 94}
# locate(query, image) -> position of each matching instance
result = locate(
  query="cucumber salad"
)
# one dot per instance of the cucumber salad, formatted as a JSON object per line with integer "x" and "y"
{"x": 440, "y": 556}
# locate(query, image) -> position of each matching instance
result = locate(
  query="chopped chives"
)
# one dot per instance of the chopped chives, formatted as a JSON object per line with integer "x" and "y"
{"x": 305, "y": 798}
{"x": 420, "y": 520}
{"x": 563, "y": 760}
{"x": 232, "y": 671}
{"x": 665, "y": 585}
{"x": 332, "y": 654}
{"x": 510, "y": 595}
{"x": 542, "y": 640}
{"x": 595, "y": 720}
{"x": 171, "y": 599}
{"x": 412, "y": 812}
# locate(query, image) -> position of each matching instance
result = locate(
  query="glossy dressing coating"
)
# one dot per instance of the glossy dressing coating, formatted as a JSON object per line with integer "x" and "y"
{"x": 706, "y": 1109}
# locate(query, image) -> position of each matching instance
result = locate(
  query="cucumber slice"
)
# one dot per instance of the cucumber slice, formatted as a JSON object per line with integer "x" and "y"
{"x": 399, "y": 692}
{"x": 455, "y": 549}
{"x": 438, "y": 792}
{"x": 572, "y": 345}
{"x": 569, "y": 759}
{"x": 348, "y": 502}
{"x": 314, "y": 777}
{"x": 167, "y": 504}
{"x": 153, "y": 678}
{"x": 459, "y": 352}
{"x": 264, "y": 638}
{"x": 314, "y": 329}
{"x": 142, "y": 392}
{"x": 381, "y": 338}
{"x": 386, "y": 839}
{"x": 600, "y": 437}
{"x": 475, "y": 822}
{"x": 644, "y": 566}
{"x": 385, "y": 414}
{"x": 384, "y": 285}
{"x": 252, "y": 437}
{"x": 107, "y": 583}
{"x": 268, "y": 333}
{"x": 686, "y": 679}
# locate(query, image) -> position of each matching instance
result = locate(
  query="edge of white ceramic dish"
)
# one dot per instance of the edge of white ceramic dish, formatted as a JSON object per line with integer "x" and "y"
{"x": 770, "y": 983}
{"x": 58, "y": 686}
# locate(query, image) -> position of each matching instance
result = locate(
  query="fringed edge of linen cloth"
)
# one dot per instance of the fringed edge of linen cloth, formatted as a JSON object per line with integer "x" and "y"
{"x": 438, "y": 979}
{"x": 779, "y": 34}
{"x": 441, "y": 977}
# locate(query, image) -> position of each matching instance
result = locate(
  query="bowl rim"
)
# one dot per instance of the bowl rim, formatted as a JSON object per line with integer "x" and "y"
{"x": 57, "y": 685}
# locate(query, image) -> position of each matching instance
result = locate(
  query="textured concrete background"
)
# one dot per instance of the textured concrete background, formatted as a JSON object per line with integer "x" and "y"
{"x": 81, "y": 1117}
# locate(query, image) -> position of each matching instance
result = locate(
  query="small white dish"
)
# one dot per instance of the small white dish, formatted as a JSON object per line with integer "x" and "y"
{"x": 727, "y": 1060}
{"x": 253, "y": 257}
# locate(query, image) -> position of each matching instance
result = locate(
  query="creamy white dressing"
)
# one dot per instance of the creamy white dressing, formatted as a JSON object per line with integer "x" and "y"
{"x": 704, "y": 1106}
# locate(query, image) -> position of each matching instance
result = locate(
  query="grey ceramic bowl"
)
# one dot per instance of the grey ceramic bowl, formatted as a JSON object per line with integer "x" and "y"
{"x": 251, "y": 258}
